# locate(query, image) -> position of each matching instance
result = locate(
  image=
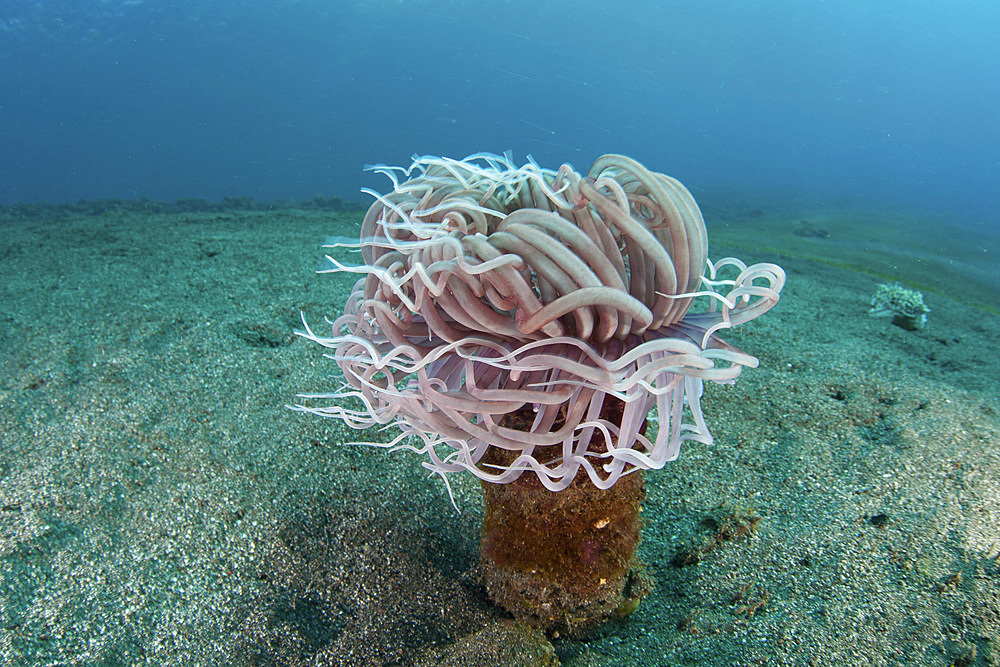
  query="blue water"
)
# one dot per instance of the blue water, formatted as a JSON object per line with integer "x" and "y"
{"x": 890, "y": 103}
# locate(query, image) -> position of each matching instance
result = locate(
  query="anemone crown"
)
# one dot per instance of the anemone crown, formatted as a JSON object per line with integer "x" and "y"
{"x": 579, "y": 302}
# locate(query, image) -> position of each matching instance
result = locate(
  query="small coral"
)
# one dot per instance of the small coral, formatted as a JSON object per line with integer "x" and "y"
{"x": 905, "y": 306}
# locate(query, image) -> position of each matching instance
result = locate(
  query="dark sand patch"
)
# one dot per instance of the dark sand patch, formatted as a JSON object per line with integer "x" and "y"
{"x": 159, "y": 504}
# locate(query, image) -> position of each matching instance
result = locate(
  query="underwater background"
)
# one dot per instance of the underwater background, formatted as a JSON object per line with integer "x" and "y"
{"x": 890, "y": 103}
{"x": 169, "y": 171}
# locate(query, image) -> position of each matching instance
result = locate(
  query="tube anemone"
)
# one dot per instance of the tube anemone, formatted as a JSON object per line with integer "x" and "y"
{"x": 523, "y": 325}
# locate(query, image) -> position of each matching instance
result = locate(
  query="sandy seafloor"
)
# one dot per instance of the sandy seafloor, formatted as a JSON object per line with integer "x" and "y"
{"x": 160, "y": 505}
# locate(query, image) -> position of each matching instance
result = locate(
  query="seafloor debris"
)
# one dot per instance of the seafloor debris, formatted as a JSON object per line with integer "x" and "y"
{"x": 905, "y": 306}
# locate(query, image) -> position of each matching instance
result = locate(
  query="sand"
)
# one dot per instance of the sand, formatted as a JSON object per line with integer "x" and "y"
{"x": 160, "y": 505}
